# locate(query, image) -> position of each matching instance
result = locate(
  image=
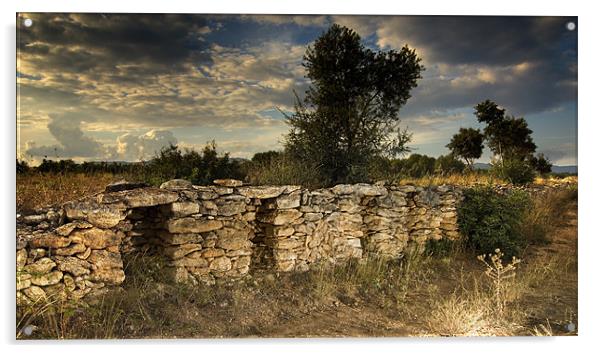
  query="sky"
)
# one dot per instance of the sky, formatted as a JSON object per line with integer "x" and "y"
{"x": 121, "y": 86}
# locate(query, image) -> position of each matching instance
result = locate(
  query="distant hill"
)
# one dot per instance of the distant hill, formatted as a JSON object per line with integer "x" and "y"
{"x": 484, "y": 166}
{"x": 560, "y": 169}
{"x": 569, "y": 169}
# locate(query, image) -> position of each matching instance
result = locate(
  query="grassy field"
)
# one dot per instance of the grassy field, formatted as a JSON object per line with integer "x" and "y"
{"x": 438, "y": 295}
{"x": 43, "y": 190}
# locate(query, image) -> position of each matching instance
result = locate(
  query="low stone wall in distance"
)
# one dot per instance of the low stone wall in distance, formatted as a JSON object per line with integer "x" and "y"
{"x": 222, "y": 231}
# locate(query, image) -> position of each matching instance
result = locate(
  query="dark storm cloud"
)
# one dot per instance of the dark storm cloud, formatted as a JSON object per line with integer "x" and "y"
{"x": 112, "y": 39}
{"x": 531, "y": 61}
{"x": 487, "y": 39}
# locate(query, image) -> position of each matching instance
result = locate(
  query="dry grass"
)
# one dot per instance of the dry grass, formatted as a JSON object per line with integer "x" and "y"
{"x": 43, "y": 190}
{"x": 475, "y": 178}
{"x": 420, "y": 296}
{"x": 467, "y": 179}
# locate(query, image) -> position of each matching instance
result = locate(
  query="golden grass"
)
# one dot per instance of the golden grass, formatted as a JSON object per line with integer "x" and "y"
{"x": 473, "y": 179}
{"x": 43, "y": 190}
{"x": 468, "y": 179}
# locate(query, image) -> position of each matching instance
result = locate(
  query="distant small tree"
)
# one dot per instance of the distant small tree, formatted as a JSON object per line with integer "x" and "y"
{"x": 22, "y": 167}
{"x": 508, "y": 137}
{"x": 418, "y": 165}
{"x": 541, "y": 164}
{"x": 448, "y": 164}
{"x": 467, "y": 144}
{"x": 200, "y": 168}
{"x": 265, "y": 158}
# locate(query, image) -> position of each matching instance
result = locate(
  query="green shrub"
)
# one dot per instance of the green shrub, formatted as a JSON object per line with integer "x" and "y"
{"x": 515, "y": 171}
{"x": 489, "y": 220}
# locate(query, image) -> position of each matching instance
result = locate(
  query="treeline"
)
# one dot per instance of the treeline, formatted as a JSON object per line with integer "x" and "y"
{"x": 271, "y": 167}
{"x": 172, "y": 162}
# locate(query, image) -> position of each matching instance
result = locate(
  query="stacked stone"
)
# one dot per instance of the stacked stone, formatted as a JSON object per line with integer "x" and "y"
{"x": 301, "y": 227}
{"x": 333, "y": 223}
{"x": 448, "y": 202}
{"x": 386, "y": 220}
{"x": 279, "y": 241}
{"x": 207, "y": 234}
{"x": 70, "y": 261}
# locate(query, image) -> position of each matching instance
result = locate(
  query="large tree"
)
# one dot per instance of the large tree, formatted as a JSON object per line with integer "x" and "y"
{"x": 467, "y": 144}
{"x": 350, "y": 112}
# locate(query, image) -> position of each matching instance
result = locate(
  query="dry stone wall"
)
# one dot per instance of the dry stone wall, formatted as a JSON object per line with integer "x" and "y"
{"x": 223, "y": 231}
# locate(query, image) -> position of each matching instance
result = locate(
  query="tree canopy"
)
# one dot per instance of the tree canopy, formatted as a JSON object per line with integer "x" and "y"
{"x": 507, "y": 136}
{"x": 350, "y": 112}
{"x": 467, "y": 144}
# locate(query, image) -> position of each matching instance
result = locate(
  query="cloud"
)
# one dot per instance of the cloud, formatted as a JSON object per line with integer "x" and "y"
{"x": 300, "y": 20}
{"x": 115, "y": 74}
{"x": 525, "y": 63}
{"x": 71, "y": 141}
{"x": 131, "y": 147}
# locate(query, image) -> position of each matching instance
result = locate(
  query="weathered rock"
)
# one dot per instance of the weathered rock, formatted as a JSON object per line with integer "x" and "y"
{"x": 96, "y": 238}
{"x": 108, "y": 275}
{"x": 35, "y": 294}
{"x": 239, "y": 252}
{"x": 85, "y": 254}
{"x": 107, "y": 259}
{"x": 49, "y": 241}
{"x": 183, "y": 209}
{"x": 145, "y": 197}
{"x": 180, "y": 238}
{"x": 34, "y": 219}
{"x": 242, "y": 262}
{"x": 190, "y": 262}
{"x": 66, "y": 229}
{"x": 40, "y": 267}
{"x": 233, "y": 242}
{"x": 98, "y": 214}
{"x": 181, "y": 275}
{"x": 176, "y": 184}
{"x": 69, "y": 282}
{"x": 261, "y": 192}
{"x": 280, "y": 217}
{"x": 122, "y": 185}
{"x": 230, "y": 208}
{"x": 47, "y": 279}
{"x": 23, "y": 281}
{"x": 289, "y": 243}
{"x": 212, "y": 252}
{"x": 291, "y": 200}
{"x": 228, "y": 182}
{"x": 176, "y": 252}
{"x": 343, "y": 189}
{"x": 70, "y": 250}
{"x": 192, "y": 225}
{"x": 220, "y": 264}
{"x": 73, "y": 265}
{"x": 21, "y": 258}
